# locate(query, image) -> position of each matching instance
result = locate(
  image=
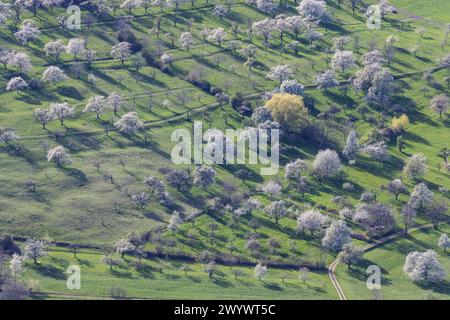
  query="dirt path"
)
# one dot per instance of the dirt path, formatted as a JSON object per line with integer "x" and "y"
{"x": 368, "y": 247}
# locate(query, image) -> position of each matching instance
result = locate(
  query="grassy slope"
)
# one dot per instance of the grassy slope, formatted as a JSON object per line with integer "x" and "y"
{"x": 391, "y": 258}
{"x": 433, "y": 9}
{"x": 92, "y": 192}
{"x": 147, "y": 282}
{"x": 65, "y": 196}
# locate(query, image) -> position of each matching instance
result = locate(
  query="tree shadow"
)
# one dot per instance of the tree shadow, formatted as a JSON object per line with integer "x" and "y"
{"x": 49, "y": 271}
{"x": 121, "y": 274}
{"x": 272, "y": 286}
{"x": 145, "y": 271}
{"x": 70, "y": 92}
{"x": 77, "y": 175}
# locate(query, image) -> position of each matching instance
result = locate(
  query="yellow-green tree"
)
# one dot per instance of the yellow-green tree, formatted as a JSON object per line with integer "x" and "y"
{"x": 399, "y": 124}
{"x": 288, "y": 109}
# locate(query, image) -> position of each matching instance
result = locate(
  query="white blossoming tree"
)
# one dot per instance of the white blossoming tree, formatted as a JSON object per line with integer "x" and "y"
{"x": 260, "y": 271}
{"x": 350, "y": 254}
{"x": 217, "y": 35}
{"x": 220, "y": 11}
{"x": 34, "y": 249}
{"x": 7, "y": 136}
{"x": 326, "y": 80}
{"x": 130, "y": 5}
{"x": 416, "y": 166}
{"x": 58, "y": 155}
{"x": 326, "y": 164}
{"x": 6, "y": 13}
{"x": 54, "y": 49}
{"x": 378, "y": 152}
{"x": 336, "y": 235}
{"x": 114, "y": 101}
{"x": 272, "y": 189}
{"x": 313, "y": 10}
{"x": 97, "y": 105}
{"x": 276, "y": 210}
{"x": 186, "y": 40}
{"x": 16, "y": 84}
{"x": 311, "y": 220}
{"x": 76, "y": 47}
{"x": 62, "y": 111}
{"x": 280, "y": 73}
{"x": 265, "y": 28}
{"x": 123, "y": 246}
{"x": 129, "y": 123}
{"x": 53, "y": 75}
{"x": 444, "y": 242}
{"x": 20, "y": 61}
{"x": 175, "y": 221}
{"x": 27, "y": 32}
{"x": 43, "y": 116}
{"x": 204, "y": 176}
{"x": 294, "y": 169}
{"x": 424, "y": 267}
{"x": 396, "y": 187}
{"x": 421, "y": 196}
{"x": 121, "y": 51}
{"x": 343, "y": 60}
{"x": 292, "y": 87}
{"x": 166, "y": 59}
{"x": 351, "y": 148}
{"x": 439, "y": 104}
{"x": 16, "y": 265}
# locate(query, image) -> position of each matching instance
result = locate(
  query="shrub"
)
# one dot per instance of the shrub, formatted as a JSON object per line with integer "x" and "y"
{"x": 8, "y": 246}
{"x": 237, "y": 100}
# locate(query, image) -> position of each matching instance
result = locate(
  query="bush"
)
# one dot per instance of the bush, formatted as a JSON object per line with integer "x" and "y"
{"x": 203, "y": 85}
{"x": 390, "y": 134}
{"x": 215, "y": 90}
{"x": 315, "y": 134}
{"x": 8, "y": 246}
{"x": 35, "y": 84}
{"x": 237, "y": 100}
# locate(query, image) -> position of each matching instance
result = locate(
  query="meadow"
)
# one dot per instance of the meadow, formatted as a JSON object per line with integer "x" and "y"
{"x": 390, "y": 258}
{"x": 89, "y": 200}
{"x": 146, "y": 281}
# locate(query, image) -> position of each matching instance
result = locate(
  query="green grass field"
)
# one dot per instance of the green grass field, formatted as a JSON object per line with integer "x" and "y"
{"x": 146, "y": 281}
{"x": 431, "y": 9}
{"x": 80, "y": 204}
{"x": 391, "y": 258}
